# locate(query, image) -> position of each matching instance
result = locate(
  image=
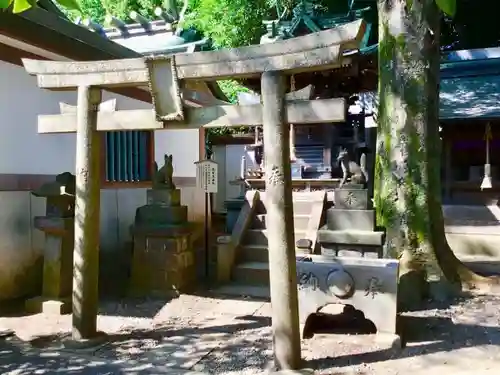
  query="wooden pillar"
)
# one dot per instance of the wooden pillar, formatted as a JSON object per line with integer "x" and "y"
{"x": 86, "y": 250}
{"x": 279, "y": 205}
{"x": 293, "y": 157}
{"x": 447, "y": 166}
{"x": 327, "y": 142}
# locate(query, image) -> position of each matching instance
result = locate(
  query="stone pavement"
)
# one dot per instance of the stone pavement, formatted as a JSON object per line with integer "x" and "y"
{"x": 17, "y": 358}
{"x": 148, "y": 337}
{"x": 233, "y": 337}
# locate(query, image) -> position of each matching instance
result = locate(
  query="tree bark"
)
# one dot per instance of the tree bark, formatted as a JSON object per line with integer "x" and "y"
{"x": 407, "y": 168}
{"x": 401, "y": 182}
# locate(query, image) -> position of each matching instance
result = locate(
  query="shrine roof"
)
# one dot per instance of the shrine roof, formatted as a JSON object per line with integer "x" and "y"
{"x": 306, "y": 17}
{"x": 470, "y": 84}
{"x": 46, "y": 28}
{"x": 150, "y": 36}
{"x": 159, "y": 36}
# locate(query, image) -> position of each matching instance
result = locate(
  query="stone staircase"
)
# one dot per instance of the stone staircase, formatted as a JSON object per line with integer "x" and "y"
{"x": 250, "y": 275}
{"x": 310, "y": 157}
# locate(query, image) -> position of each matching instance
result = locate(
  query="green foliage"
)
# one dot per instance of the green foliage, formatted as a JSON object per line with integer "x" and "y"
{"x": 231, "y": 89}
{"x": 449, "y": 7}
{"x": 229, "y": 23}
{"x": 19, "y": 6}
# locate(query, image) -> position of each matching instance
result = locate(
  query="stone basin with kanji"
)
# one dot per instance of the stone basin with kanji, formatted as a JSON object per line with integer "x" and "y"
{"x": 369, "y": 285}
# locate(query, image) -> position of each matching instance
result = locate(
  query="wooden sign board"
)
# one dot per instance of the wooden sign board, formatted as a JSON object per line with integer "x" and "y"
{"x": 206, "y": 175}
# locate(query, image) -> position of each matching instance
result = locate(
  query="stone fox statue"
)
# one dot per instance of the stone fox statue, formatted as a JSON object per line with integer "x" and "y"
{"x": 163, "y": 177}
{"x": 351, "y": 169}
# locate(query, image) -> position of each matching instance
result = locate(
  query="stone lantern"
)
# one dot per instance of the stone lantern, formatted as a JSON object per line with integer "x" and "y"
{"x": 58, "y": 226}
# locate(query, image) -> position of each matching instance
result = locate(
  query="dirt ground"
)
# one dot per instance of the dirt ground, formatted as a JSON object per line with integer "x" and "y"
{"x": 226, "y": 336}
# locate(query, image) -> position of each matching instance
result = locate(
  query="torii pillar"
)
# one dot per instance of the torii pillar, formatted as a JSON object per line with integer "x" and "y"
{"x": 87, "y": 205}
{"x": 280, "y": 234}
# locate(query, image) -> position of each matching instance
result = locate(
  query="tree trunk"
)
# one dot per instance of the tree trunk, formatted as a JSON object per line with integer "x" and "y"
{"x": 401, "y": 182}
{"x": 407, "y": 168}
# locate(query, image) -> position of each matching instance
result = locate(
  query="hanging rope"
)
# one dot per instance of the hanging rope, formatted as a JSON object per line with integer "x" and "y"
{"x": 486, "y": 183}
{"x": 488, "y": 137}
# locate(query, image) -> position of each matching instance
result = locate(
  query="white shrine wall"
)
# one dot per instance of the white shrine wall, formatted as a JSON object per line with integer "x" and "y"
{"x": 29, "y": 159}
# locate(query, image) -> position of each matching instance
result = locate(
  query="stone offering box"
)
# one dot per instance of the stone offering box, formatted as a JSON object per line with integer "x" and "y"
{"x": 369, "y": 285}
{"x": 58, "y": 226}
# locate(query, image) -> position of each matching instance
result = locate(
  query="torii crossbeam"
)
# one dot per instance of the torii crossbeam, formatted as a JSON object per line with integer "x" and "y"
{"x": 165, "y": 77}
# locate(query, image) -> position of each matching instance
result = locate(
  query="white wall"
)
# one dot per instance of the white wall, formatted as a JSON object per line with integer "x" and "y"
{"x": 22, "y": 149}
{"x": 183, "y": 145}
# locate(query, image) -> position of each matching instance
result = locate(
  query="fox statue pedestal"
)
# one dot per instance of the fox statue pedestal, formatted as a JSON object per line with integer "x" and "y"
{"x": 163, "y": 261}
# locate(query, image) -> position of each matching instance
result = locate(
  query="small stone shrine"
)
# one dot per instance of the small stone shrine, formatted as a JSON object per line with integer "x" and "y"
{"x": 163, "y": 261}
{"x": 58, "y": 225}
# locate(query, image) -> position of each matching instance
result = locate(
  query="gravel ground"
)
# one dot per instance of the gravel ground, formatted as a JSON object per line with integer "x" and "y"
{"x": 223, "y": 336}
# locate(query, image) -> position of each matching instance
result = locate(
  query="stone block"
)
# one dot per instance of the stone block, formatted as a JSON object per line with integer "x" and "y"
{"x": 350, "y": 237}
{"x": 164, "y": 265}
{"x": 164, "y": 197}
{"x": 331, "y": 249}
{"x": 347, "y": 219}
{"x": 369, "y": 285}
{"x": 349, "y": 253}
{"x": 350, "y": 198}
{"x": 157, "y": 215}
{"x": 304, "y": 245}
{"x": 48, "y": 306}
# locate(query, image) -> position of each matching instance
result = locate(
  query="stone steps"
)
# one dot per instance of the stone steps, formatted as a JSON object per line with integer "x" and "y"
{"x": 259, "y": 236}
{"x": 252, "y": 253}
{"x": 250, "y": 274}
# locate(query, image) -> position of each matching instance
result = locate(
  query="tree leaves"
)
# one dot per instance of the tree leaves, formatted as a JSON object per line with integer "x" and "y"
{"x": 448, "y": 7}
{"x": 69, "y": 4}
{"x": 4, "y": 4}
{"x": 19, "y": 6}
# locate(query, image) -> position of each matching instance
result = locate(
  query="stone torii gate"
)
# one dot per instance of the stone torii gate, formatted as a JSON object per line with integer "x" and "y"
{"x": 166, "y": 77}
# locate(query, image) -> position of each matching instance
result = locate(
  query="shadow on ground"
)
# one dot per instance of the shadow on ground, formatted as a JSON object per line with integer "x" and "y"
{"x": 201, "y": 347}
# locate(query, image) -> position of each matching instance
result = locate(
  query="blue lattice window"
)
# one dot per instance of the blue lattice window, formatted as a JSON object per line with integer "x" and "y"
{"x": 128, "y": 156}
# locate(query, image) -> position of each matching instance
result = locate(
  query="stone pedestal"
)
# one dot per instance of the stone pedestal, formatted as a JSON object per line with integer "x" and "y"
{"x": 350, "y": 226}
{"x": 58, "y": 226}
{"x": 163, "y": 261}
